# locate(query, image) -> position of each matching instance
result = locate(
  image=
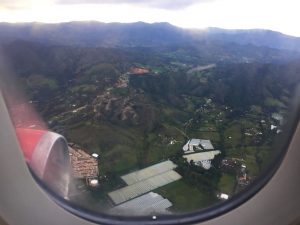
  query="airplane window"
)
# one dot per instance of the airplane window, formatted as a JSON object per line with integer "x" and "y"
{"x": 155, "y": 119}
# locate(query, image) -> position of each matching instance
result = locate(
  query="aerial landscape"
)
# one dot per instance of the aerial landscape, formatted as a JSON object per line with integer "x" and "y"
{"x": 159, "y": 119}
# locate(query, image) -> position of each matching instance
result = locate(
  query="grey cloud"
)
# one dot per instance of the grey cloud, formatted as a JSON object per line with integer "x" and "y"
{"x": 162, "y": 4}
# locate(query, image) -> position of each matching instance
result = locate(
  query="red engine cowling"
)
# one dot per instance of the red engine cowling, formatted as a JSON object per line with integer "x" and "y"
{"x": 47, "y": 155}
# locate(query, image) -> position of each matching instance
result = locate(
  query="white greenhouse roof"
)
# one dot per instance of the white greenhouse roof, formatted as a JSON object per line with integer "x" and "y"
{"x": 202, "y": 156}
{"x": 143, "y": 205}
{"x": 148, "y": 172}
{"x": 132, "y": 191}
{"x": 205, "y": 144}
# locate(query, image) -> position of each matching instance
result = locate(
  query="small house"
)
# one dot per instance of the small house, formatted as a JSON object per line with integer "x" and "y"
{"x": 223, "y": 196}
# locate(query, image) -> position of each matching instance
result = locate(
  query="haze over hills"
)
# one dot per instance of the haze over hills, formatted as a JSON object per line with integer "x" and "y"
{"x": 96, "y": 34}
{"x": 57, "y": 48}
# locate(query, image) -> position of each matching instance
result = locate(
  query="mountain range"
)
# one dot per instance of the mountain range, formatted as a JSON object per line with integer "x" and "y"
{"x": 140, "y": 34}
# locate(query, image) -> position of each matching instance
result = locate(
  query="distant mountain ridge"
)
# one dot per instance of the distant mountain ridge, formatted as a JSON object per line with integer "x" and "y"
{"x": 139, "y": 34}
{"x": 257, "y": 37}
{"x": 95, "y": 34}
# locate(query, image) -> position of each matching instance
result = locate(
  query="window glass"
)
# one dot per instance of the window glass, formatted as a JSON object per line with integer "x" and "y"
{"x": 160, "y": 117}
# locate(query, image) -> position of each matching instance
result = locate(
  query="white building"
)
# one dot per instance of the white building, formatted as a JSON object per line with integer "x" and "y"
{"x": 223, "y": 196}
{"x": 273, "y": 127}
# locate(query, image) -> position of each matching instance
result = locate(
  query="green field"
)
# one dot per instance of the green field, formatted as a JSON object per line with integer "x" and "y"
{"x": 252, "y": 165}
{"x": 185, "y": 198}
{"x": 227, "y": 183}
{"x": 265, "y": 155}
{"x": 116, "y": 146}
{"x": 157, "y": 154}
{"x": 233, "y": 135}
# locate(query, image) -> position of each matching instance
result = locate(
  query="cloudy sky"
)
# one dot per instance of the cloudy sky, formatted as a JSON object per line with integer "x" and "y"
{"x": 279, "y": 15}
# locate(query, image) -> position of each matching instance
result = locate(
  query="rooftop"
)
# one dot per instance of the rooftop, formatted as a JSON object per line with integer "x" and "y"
{"x": 204, "y": 144}
{"x": 202, "y": 156}
{"x": 139, "y": 70}
{"x": 223, "y": 196}
{"x": 132, "y": 191}
{"x": 83, "y": 165}
{"x": 143, "y": 205}
{"x": 195, "y": 142}
{"x": 148, "y": 172}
